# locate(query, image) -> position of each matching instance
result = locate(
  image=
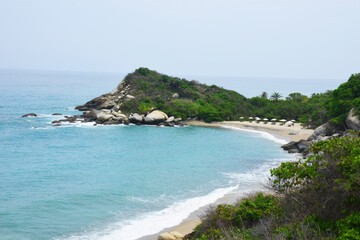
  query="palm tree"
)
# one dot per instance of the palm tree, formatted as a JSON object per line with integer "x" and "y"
{"x": 264, "y": 95}
{"x": 275, "y": 96}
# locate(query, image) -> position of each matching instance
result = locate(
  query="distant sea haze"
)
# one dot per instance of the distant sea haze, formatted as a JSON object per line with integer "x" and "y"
{"x": 81, "y": 181}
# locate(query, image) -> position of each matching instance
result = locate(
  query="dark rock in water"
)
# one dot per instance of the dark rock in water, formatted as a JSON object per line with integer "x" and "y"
{"x": 56, "y": 114}
{"x": 293, "y": 151}
{"x": 29, "y": 115}
{"x": 57, "y": 121}
{"x": 303, "y": 145}
{"x": 289, "y": 146}
{"x": 57, "y": 125}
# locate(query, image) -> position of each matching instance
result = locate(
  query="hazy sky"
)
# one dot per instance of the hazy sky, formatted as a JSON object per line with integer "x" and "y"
{"x": 257, "y": 38}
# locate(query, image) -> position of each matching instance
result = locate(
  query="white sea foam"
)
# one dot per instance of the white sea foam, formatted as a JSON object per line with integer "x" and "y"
{"x": 257, "y": 177}
{"x": 154, "y": 222}
{"x": 262, "y": 134}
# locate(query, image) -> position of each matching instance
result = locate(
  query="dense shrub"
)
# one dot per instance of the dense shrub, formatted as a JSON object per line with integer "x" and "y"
{"x": 318, "y": 198}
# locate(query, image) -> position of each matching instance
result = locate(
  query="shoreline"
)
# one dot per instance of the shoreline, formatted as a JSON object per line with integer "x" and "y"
{"x": 275, "y": 130}
{"x": 280, "y": 132}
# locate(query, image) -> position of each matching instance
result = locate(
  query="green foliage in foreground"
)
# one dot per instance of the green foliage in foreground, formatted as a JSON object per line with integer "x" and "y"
{"x": 318, "y": 198}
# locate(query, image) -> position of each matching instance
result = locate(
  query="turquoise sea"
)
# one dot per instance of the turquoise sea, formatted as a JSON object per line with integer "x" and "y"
{"x": 110, "y": 182}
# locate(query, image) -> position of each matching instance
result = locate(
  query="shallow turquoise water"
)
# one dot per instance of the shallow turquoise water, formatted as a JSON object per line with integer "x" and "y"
{"x": 104, "y": 182}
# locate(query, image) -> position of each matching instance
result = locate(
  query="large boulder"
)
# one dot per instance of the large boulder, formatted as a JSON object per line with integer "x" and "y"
{"x": 352, "y": 120}
{"x": 303, "y": 145}
{"x": 289, "y": 146}
{"x": 170, "y": 119}
{"x": 155, "y": 117}
{"x": 135, "y": 118}
{"x": 326, "y": 129}
{"x": 105, "y": 101}
{"x": 103, "y": 117}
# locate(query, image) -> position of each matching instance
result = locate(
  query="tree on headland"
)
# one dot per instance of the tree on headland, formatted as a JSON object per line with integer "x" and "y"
{"x": 296, "y": 97}
{"x": 264, "y": 95}
{"x": 275, "y": 96}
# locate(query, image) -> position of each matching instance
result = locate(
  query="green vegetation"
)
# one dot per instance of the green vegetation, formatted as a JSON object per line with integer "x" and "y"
{"x": 182, "y": 98}
{"x": 318, "y": 198}
{"x": 346, "y": 96}
{"x": 190, "y": 99}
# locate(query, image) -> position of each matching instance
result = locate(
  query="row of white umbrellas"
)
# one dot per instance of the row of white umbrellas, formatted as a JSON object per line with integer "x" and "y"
{"x": 273, "y": 120}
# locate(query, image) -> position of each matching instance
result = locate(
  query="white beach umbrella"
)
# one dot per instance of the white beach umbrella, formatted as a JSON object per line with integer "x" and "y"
{"x": 251, "y": 118}
{"x": 289, "y": 123}
{"x": 283, "y": 120}
{"x": 265, "y": 119}
{"x": 241, "y": 117}
{"x": 273, "y": 120}
{"x": 293, "y": 120}
{"x": 257, "y": 119}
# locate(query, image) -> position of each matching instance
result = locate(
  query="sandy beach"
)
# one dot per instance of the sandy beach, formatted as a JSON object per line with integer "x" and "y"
{"x": 188, "y": 225}
{"x": 276, "y": 130}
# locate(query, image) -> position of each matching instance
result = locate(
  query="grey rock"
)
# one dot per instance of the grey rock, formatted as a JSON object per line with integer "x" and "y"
{"x": 326, "y": 129}
{"x": 129, "y": 97}
{"x": 290, "y": 145}
{"x": 335, "y": 135}
{"x": 135, "y": 118}
{"x": 116, "y": 108}
{"x": 352, "y": 120}
{"x": 303, "y": 145}
{"x": 293, "y": 150}
{"x": 57, "y": 125}
{"x": 56, "y": 114}
{"x": 119, "y": 115}
{"x": 120, "y": 86}
{"x": 29, "y": 115}
{"x": 325, "y": 138}
{"x": 177, "y": 120}
{"x": 57, "y": 121}
{"x": 102, "y": 117}
{"x": 170, "y": 119}
{"x": 293, "y": 133}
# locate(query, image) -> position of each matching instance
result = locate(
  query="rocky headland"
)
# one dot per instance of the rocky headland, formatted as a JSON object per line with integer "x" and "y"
{"x": 324, "y": 132}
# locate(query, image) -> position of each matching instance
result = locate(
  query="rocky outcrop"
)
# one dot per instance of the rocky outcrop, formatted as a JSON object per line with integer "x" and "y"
{"x": 352, "y": 120}
{"x": 107, "y": 116}
{"x": 29, "y": 115}
{"x": 174, "y": 235}
{"x": 301, "y": 146}
{"x": 155, "y": 117}
{"x": 326, "y": 129}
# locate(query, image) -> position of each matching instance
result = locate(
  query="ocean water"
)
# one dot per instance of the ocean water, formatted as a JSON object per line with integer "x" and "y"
{"x": 82, "y": 181}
